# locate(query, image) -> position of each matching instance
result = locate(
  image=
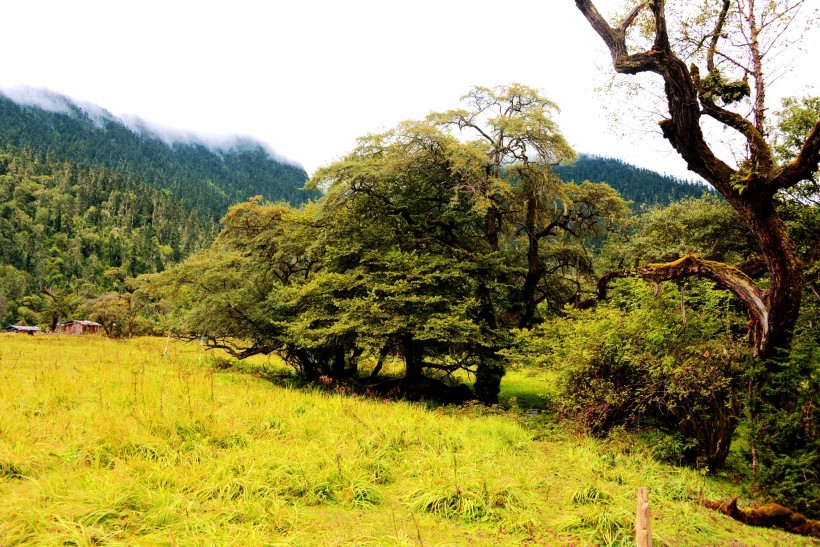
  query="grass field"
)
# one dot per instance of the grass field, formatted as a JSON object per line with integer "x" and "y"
{"x": 108, "y": 442}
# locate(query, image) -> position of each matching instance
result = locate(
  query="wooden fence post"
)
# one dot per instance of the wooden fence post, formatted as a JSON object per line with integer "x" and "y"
{"x": 643, "y": 520}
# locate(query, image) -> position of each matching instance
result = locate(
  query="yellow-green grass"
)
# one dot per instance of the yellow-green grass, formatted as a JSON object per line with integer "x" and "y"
{"x": 108, "y": 442}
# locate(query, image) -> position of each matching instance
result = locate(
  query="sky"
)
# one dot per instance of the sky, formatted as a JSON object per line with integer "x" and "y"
{"x": 308, "y": 77}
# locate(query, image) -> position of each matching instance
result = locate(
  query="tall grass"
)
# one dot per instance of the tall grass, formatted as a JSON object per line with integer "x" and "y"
{"x": 108, "y": 442}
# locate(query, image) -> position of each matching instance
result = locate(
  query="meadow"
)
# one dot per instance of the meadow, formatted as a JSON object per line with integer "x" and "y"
{"x": 149, "y": 442}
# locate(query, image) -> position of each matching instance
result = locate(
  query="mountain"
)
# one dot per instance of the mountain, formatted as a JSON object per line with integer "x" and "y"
{"x": 88, "y": 199}
{"x": 68, "y": 231}
{"x": 642, "y": 187}
{"x": 207, "y": 176}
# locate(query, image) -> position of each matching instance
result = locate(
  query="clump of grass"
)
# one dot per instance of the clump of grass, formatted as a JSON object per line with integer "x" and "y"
{"x": 475, "y": 502}
{"x": 587, "y": 495}
{"x": 360, "y": 494}
{"x": 10, "y": 470}
{"x": 458, "y": 504}
{"x": 613, "y": 528}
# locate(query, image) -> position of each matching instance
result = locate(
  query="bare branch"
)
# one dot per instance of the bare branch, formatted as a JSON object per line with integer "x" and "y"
{"x": 753, "y": 267}
{"x": 630, "y": 17}
{"x": 710, "y": 56}
{"x": 661, "y": 33}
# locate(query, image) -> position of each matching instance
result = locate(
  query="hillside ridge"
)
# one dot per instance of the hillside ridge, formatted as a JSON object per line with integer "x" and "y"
{"x": 208, "y": 173}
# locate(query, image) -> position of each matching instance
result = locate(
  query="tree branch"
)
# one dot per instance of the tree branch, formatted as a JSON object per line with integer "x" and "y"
{"x": 682, "y": 129}
{"x": 661, "y": 33}
{"x": 728, "y": 277}
{"x": 603, "y": 288}
{"x": 753, "y": 267}
{"x": 770, "y": 515}
{"x": 630, "y": 17}
{"x": 761, "y": 153}
{"x": 804, "y": 165}
{"x": 710, "y": 55}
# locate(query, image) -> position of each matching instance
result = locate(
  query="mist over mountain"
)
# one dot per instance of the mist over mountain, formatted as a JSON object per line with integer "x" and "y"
{"x": 207, "y": 173}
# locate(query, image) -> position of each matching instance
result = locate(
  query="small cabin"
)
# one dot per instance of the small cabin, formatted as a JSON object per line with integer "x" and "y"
{"x": 79, "y": 327}
{"x": 21, "y": 329}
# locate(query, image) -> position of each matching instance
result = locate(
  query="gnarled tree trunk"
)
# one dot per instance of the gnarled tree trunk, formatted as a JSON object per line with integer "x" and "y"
{"x": 750, "y": 188}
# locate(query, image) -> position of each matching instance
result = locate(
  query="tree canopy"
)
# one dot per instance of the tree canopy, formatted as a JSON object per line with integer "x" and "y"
{"x": 431, "y": 241}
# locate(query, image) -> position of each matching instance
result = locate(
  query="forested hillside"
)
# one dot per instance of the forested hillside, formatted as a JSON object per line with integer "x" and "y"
{"x": 64, "y": 225}
{"x": 88, "y": 203}
{"x": 640, "y": 186}
{"x": 208, "y": 179}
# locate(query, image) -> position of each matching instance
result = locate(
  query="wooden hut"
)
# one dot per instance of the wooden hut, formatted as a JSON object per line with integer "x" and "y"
{"x": 79, "y": 327}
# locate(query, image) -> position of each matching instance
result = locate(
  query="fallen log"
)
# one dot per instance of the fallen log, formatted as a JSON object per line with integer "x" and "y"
{"x": 770, "y": 515}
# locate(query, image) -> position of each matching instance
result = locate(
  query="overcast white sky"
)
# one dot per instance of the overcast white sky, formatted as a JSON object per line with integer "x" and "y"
{"x": 309, "y": 76}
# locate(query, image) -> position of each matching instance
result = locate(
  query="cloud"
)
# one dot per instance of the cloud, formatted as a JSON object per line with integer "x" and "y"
{"x": 219, "y": 144}
{"x": 41, "y": 98}
{"x": 51, "y": 101}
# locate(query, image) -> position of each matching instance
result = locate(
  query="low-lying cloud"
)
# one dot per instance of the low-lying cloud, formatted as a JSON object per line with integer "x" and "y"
{"x": 51, "y": 101}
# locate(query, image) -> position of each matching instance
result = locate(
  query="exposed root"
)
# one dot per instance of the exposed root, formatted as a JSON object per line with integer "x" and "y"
{"x": 770, "y": 515}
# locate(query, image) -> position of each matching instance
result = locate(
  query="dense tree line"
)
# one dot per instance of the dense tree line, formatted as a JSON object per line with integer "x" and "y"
{"x": 63, "y": 226}
{"x": 206, "y": 180}
{"x": 642, "y": 187}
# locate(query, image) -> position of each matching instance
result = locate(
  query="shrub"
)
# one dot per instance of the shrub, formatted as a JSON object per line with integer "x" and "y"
{"x": 642, "y": 361}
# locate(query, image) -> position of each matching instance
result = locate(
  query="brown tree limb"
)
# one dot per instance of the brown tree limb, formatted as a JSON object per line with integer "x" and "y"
{"x": 770, "y": 515}
{"x": 661, "y": 32}
{"x": 627, "y": 21}
{"x": 761, "y": 153}
{"x": 615, "y": 39}
{"x": 728, "y": 277}
{"x": 815, "y": 288}
{"x": 710, "y": 55}
{"x": 804, "y": 165}
{"x": 682, "y": 129}
{"x": 603, "y": 288}
{"x": 753, "y": 267}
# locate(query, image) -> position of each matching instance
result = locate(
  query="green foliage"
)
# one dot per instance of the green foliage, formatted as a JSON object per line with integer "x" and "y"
{"x": 707, "y": 226}
{"x": 639, "y": 362}
{"x": 787, "y": 438}
{"x": 405, "y": 254}
{"x": 794, "y": 123}
{"x": 63, "y": 226}
{"x": 800, "y": 205}
{"x": 413, "y": 250}
{"x": 729, "y": 91}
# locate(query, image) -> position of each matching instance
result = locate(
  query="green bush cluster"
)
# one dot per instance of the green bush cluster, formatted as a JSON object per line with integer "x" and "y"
{"x": 643, "y": 361}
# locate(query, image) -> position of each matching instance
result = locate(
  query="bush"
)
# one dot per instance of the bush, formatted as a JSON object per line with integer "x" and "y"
{"x": 641, "y": 361}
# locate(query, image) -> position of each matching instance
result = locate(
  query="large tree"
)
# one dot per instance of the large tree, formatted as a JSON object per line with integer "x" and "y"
{"x": 713, "y": 61}
{"x": 525, "y": 205}
{"x": 407, "y": 258}
{"x": 750, "y": 186}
